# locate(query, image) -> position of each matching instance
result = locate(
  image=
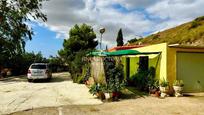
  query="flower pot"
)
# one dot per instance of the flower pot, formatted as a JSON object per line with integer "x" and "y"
{"x": 107, "y": 95}
{"x": 100, "y": 95}
{"x": 115, "y": 94}
{"x": 152, "y": 90}
{"x": 164, "y": 91}
{"x": 178, "y": 91}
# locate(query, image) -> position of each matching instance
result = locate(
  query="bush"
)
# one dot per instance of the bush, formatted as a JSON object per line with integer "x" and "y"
{"x": 143, "y": 79}
{"x": 194, "y": 24}
{"x": 114, "y": 74}
{"x": 200, "y": 18}
{"x": 95, "y": 88}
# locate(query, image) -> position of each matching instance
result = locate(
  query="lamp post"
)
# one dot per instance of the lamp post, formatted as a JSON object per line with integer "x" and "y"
{"x": 102, "y": 30}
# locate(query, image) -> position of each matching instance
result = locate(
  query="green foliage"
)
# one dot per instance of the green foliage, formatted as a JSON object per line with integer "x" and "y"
{"x": 164, "y": 83}
{"x": 114, "y": 75}
{"x": 178, "y": 83}
{"x": 194, "y": 24}
{"x": 95, "y": 88}
{"x": 200, "y": 18}
{"x": 14, "y": 30}
{"x": 120, "y": 38}
{"x": 87, "y": 72}
{"x": 152, "y": 82}
{"x": 132, "y": 40}
{"x": 144, "y": 79}
{"x": 57, "y": 64}
{"x": 82, "y": 40}
{"x": 140, "y": 80}
{"x": 21, "y": 62}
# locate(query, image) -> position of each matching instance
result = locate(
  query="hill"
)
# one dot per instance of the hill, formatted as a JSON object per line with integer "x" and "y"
{"x": 191, "y": 33}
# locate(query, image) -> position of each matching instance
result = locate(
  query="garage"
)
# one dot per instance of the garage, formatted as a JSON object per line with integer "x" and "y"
{"x": 190, "y": 69}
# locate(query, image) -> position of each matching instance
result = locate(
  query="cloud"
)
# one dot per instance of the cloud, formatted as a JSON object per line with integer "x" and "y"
{"x": 135, "y": 17}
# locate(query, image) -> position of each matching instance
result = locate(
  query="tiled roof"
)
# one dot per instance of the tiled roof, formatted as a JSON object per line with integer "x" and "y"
{"x": 124, "y": 47}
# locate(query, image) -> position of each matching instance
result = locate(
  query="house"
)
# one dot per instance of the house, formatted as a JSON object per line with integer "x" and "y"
{"x": 171, "y": 62}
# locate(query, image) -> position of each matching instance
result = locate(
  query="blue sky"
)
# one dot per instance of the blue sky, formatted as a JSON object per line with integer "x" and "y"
{"x": 44, "y": 41}
{"x": 135, "y": 17}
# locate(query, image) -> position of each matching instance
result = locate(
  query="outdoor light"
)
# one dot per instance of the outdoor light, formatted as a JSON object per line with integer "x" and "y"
{"x": 102, "y": 30}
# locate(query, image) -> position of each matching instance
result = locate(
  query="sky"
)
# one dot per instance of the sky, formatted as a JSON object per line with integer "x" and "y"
{"x": 135, "y": 17}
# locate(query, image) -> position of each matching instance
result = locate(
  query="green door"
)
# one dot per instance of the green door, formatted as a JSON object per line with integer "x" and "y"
{"x": 190, "y": 69}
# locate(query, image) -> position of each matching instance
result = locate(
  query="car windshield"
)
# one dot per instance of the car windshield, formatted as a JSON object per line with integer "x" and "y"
{"x": 38, "y": 67}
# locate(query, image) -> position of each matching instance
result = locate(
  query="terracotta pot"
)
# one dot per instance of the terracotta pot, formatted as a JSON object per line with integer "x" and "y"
{"x": 101, "y": 95}
{"x": 152, "y": 91}
{"x": 115, "y": 94}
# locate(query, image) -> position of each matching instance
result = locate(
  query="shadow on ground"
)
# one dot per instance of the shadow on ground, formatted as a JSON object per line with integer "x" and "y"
{"x": 56, "y": 77}
{"x": 132, "y": 93}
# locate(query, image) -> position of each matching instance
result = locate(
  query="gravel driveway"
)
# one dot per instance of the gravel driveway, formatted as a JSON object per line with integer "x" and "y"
{"x": 17, "y": 94}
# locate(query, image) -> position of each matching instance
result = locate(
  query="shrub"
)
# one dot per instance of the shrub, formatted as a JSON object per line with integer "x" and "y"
{"x": 194, "y": 24}
{"x": 140, "y": 80}
{"x": 200, "y": 18}
{"x": 95, "y": 88}
{"x": 114, "y": 74}
{"x": 143, "y": 79}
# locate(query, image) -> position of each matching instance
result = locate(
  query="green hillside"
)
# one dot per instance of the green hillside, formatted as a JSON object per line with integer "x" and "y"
{"x": 191, "y": 33}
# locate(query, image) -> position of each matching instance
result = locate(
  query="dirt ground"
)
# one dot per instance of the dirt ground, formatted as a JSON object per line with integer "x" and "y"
{"x": 139, "y": 106}
{"x": 17, "y": 94}
{"x": 62, "y": 97}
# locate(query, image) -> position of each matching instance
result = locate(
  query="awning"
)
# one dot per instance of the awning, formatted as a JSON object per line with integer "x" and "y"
{"x": 97, "y": 53}
{"x": 121, "y": 53}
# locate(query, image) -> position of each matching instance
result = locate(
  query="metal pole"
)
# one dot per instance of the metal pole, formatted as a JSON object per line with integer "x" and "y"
{"x": 101, "y": 42}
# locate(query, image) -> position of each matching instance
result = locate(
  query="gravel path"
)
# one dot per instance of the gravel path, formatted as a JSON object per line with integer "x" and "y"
{"x": 17, "y": 94}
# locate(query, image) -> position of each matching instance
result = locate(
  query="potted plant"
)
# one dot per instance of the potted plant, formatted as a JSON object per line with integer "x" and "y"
{"x": 164, "y": 88}
{"x": 114, "y": 78}
{"x": 178, "y": 87}
{"x": 153, "y": 85}
{"x": 96, "y": 89}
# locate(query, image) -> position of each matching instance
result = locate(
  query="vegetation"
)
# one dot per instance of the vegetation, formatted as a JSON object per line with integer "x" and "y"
{"x": 95, "y": 88}
{"x": 188, "y": 33}
{"x": 20, "y": 63}
{"x": 120, "y": 38}
{"x": 57, "y": 64}
{"x": 164, "y": 83}
{"x": 15, "y": 31}
{"x": 114, "y": 74}
{"x": 134, "y": 40}
{"x": 144, "y": 79}
{"x": 178, "y": 83}
{"x": 82, "y": 40}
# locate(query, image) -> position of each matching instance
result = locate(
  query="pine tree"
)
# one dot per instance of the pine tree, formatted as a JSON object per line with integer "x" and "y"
{"x": 106, "y": 47}
{"x": 120, "y": 38}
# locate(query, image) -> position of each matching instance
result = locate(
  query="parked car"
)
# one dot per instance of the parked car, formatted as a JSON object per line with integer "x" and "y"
{"x": 39, "y": 71}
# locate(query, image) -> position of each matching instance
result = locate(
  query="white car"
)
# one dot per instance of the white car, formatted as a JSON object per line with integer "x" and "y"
{"x": 39, "y": 71}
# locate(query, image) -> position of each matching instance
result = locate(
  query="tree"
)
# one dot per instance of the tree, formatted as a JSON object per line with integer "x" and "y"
{"x": 82, "y": 39}
{"x": 14, "y": 30}
{"x": 120, "y": 38}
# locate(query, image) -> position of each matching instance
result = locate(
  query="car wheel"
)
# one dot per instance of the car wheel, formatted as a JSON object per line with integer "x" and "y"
{"x": 30, "y": 80}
